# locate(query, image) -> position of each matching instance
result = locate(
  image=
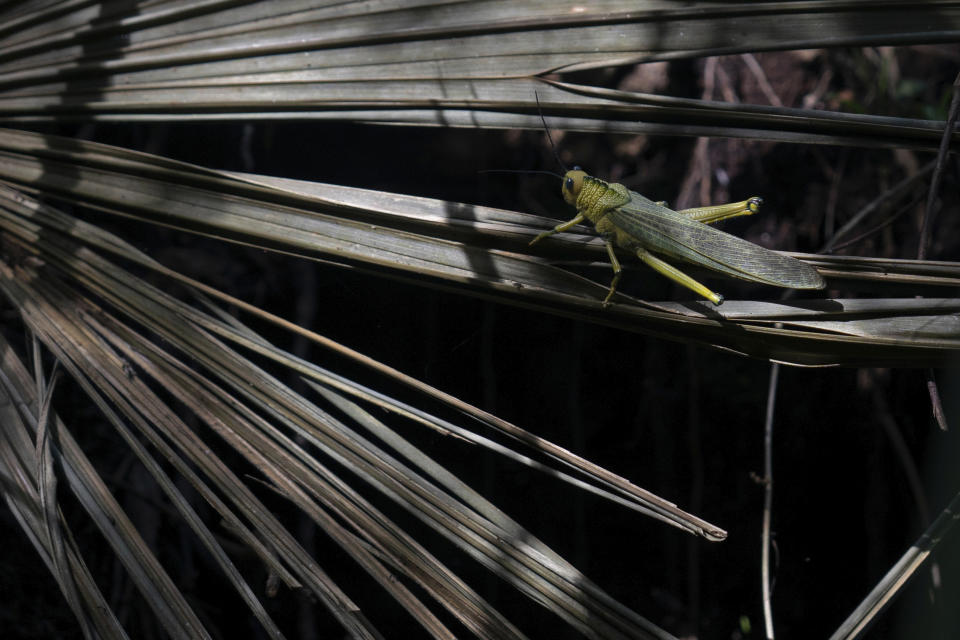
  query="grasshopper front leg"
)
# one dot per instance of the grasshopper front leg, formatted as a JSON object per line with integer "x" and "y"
{"x": 617, "y": 270}
{"x": 614, "y": 261}
{"x": 560, "y": 227}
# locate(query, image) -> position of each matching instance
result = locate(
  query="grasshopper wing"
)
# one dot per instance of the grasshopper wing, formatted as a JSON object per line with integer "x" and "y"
{"x": 673, "y": 234}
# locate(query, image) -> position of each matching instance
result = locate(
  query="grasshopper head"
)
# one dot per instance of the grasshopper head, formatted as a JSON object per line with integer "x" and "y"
{"x": 572, "y": 183}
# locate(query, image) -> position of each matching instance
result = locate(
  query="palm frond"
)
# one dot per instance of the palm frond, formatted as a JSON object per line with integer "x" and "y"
{"x": 258, "y": 417}
{"x": 390, "y": 231}
{"x": 435, "y": 63}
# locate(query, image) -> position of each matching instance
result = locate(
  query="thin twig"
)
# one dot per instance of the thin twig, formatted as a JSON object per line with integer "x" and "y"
{"x": 754, "y": 66}
{"x": 926, "y": 223}
{"x": 892, "y": 193}
{"x": 695, "y": 448}
{"x": 881, "y": 226}
{"x": 935, "y": 402}
{"x": 813, "y": 98}
{"x": 699, "y": 171}
{"x": 830, "y": 213}
{"x": 899, "y": 574}
{"x": 726, "y": 86}
{"x": 768, "y": 499}
{"x": 900, "y": 449}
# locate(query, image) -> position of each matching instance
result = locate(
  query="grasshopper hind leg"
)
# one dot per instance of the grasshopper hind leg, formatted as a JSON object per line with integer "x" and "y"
{"x": 718, "y": 212}
{"x": 661, "y": 267}
{"x": 678, "y": 276}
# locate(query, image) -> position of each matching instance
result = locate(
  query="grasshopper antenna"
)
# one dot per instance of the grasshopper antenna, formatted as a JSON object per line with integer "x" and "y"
{"x": 546, "y": 130}
{"x": 553, "y": 148}
{"x": 548, "y": 173}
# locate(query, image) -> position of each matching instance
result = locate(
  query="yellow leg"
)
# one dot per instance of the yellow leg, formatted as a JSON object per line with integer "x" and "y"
{"x": 678, "y": 276}
{"x": 617, "y": 272}
{"x": 718, "y": 212}
{"x": 560, "y": 227}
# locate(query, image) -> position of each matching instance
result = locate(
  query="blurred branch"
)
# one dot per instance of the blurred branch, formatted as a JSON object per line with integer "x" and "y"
{"x": 899, "y": 574}
{"x": 926, "y": 224}
{"x": 767, "y": 482}
{"x": 941, "y": 162}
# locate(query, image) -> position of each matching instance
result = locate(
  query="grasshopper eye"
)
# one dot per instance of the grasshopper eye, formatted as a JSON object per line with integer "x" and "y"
{"x": 572, "y": 183}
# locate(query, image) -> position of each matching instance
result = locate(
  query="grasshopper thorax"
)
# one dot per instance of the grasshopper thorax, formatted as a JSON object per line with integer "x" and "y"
{"x": 572, "y": 183}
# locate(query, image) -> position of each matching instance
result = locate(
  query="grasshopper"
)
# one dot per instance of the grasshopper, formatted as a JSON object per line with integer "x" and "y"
{"x": 630, "y": 221}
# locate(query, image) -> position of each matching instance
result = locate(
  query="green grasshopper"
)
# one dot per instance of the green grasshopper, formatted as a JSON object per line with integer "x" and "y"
{"x": 628, "y": 220}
